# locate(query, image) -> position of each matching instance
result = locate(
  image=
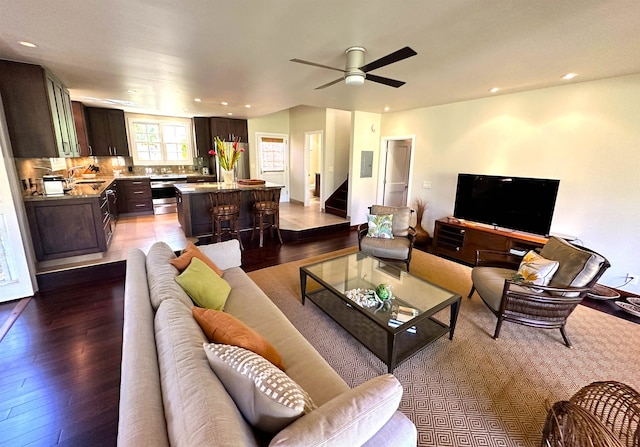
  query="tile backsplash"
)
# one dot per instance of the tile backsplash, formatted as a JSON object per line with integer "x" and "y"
{"x": 33, "y": 168}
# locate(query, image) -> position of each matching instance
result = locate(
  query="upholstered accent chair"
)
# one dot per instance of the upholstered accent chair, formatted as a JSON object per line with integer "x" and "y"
{"x": 537, "y": 290}
{"x": 393, "y": 244}
{"x": 603, "y": 414}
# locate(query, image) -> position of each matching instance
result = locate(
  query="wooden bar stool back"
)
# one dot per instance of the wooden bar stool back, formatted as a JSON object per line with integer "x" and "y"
{"x": 266, "y": 203}
{"x": 225, "y": 207}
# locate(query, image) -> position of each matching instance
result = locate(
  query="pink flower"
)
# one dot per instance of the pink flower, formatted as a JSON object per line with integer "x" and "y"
{"x": 212, "y": 152}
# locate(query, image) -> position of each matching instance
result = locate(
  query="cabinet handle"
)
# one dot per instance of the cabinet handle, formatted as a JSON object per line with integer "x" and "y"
{"x": 136, "y": 183}
{"x": 140, "y": 205}
{"x": 115, "y": 150}
{"x": 90, "y": 150}
{"x": 138, "y": 192}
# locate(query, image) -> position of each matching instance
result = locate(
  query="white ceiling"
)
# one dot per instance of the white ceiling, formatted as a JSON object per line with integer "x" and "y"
{"x": 238, "y": 51}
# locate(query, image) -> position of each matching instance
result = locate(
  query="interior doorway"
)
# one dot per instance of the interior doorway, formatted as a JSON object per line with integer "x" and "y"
{"x": 395, "y": 171}
{"x": 273, "y": 161}
{"x": 313, "y": 168}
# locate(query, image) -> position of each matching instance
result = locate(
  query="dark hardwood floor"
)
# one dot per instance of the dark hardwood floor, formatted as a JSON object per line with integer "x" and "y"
{"x": 60, "y": 361}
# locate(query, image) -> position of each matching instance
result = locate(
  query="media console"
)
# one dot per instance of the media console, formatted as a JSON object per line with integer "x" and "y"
{"x": 460, "y": 240}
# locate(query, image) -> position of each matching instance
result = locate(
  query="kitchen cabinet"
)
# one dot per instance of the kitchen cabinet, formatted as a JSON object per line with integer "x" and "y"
{"x": 82, "y": 130}
{"x": 38, "y": 112}
{"x": 227, "y": 128}
{"x": 66, "y": 227}
{"x": 107, "y": 131}
{"x": 134, "y": 196}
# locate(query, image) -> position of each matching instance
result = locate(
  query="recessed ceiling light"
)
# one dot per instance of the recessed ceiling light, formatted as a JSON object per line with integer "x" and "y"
{"x": 25, "y": 43}
{"x": 569, "y": 76}
{"x": 197, "y": 99}
{"x": 224, "y": 103}
{"x": 494, "y": 90}
{"x": 247, "y": 106}
{"x": 229, "y": 113}
{"x": 386, "y": 109}
{"x": 131, "y": 91}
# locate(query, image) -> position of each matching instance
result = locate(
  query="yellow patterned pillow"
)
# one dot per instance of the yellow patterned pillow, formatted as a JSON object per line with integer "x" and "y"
{"x": 537, "y": 270}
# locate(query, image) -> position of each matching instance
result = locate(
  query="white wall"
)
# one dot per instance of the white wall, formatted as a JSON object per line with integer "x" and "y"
{"x": 585, "y": 134}
{"x": 363, "y": 191}
{"x": 302, "y": 119}
{"x": 273, "y": 123}
{"x": 336, "y": 151}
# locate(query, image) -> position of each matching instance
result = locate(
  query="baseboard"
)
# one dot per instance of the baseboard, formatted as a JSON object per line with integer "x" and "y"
{"x": 79, "y": 275}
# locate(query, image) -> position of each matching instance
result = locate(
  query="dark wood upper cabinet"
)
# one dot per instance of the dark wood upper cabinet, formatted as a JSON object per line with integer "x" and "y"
{"x": 38, "y": 112}
{"x": 107, "y": 131}
{"x": 227, "y": 128}
{"x": 204, "y": 139}
{"x": 80, "y": 119}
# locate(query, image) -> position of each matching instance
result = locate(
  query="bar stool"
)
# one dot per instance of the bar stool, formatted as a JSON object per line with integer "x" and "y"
{"x": 266, "y": 203}
{"x": 225, "y": 207}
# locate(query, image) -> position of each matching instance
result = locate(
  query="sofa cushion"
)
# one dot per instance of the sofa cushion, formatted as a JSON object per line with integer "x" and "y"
{"x": 220, "y": 327}
{"x": 401, "y": 218}
{"x": 266, "y": 396}
{"x": 198, "y": 410}
{"x": 350, "y": 419}
{"x": 489, "y": 282}
{"x": 397, "y": 248}
{"x": 380, "y": 226}
{"x": 203, "y": 285}
{"x": 537, "y": 270}
{"x": 577, "y": 267}
{"x": 161, "y": 276}
{"x": 182, "y": 261}
{"x": 225, "y": 254}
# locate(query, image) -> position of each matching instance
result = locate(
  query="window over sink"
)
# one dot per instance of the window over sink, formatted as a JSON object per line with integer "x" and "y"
{"x": 160, "y": 140}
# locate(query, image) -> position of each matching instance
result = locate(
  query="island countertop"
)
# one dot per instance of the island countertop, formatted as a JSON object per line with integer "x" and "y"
{"x": 202, "y": 188}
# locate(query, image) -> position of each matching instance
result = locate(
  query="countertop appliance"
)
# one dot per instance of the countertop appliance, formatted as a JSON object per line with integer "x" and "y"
{"x": 163, "y": 194}
{"x": 53, "y": 185}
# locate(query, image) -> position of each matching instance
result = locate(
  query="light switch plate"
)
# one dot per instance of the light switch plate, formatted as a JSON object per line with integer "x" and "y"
{"x": 426, "y": 184}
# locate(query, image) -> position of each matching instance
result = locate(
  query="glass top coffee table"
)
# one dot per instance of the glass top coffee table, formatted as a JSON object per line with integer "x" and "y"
{"x": 393, "y": 332}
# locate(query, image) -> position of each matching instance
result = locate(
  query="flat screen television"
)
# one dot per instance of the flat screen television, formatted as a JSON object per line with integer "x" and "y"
{"x": 516, "y": 203}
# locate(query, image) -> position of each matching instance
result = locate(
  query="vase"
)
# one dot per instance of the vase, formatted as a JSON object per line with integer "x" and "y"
{"x": 228, "y": 177}
{"x": 422, "y": 235}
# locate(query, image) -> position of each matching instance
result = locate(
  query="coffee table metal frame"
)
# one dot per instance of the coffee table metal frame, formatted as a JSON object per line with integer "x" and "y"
{"x": 370, "y": 326}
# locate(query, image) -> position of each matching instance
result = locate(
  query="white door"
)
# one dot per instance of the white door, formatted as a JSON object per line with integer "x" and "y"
{"x": 273, "y": 161}
{"x": 396, "y": 172}
{"x": 15, "y": 279}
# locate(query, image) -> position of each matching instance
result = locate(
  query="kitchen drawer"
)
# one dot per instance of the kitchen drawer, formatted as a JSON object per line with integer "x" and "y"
{"x": 137, "y": 192}
{"x": 139, "y": 205}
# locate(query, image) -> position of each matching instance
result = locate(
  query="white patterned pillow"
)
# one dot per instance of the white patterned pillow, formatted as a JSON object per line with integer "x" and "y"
{"x": 268, "y": 398}
{"x": 380, "y": 225}
{"x": 537, "y": 270}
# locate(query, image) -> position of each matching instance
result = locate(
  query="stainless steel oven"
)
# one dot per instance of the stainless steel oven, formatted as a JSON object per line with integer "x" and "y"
{"x": 163, "y": 193}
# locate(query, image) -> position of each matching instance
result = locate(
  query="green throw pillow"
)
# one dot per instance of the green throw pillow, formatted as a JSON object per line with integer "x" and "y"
{"x": 380, "y": 225}
{"x": 205, "y": 288}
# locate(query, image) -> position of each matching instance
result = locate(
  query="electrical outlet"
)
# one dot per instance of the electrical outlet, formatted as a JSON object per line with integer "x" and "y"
{"x": 633, "y": 279}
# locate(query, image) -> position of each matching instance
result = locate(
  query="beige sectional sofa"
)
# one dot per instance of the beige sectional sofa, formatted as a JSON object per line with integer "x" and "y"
{"x": 169, "y": 394}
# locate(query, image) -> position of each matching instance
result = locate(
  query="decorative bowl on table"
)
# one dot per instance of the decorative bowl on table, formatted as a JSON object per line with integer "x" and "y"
{"x": 629, "y": 308}
{"x": 600, "y": 292}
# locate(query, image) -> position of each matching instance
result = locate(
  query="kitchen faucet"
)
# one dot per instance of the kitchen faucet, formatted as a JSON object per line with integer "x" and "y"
{"x": 72, "y": 170}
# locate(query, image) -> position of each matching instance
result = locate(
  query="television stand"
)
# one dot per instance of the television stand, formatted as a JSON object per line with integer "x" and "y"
{"x": 460, "y": 240}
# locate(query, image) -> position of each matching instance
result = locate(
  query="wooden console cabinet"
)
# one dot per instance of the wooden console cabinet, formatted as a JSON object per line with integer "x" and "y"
{"x": 461, "y": 240}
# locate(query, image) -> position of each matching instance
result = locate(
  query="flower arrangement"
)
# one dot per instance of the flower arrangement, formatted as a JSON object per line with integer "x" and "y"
{"x": 227, "y": 156}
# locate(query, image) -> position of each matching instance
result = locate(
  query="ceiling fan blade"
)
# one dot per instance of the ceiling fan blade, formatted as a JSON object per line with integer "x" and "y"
{"x": 386, "y": 81}
{"x": 300, "y": 61}
{"x": 329, "y": 84}
{"x": 391, "y": 58}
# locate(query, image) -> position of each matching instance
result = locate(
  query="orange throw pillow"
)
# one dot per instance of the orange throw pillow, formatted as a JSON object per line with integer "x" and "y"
{"x": 183, "y": 261}
{"x": 220, "y": 327}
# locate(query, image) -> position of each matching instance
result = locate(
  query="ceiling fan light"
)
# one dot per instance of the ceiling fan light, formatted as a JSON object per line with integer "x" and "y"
{"x": 354, "y": 79}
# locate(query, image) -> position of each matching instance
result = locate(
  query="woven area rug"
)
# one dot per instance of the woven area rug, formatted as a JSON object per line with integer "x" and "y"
{"x": 473, "y": 390}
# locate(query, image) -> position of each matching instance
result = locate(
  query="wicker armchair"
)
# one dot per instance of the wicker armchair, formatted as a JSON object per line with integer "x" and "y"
{"x": 396, "y": 250}
{"x": 600, "y": 414}
{"x": 539, "y": 306}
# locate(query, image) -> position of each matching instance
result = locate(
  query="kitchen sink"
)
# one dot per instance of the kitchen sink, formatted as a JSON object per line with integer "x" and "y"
{"x": 88, "y": 180}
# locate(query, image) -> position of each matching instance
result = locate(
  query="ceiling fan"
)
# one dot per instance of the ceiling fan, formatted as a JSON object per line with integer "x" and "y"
{"x": 356, "y": 71}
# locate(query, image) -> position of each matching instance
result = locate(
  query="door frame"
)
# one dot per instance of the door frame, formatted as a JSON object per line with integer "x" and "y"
{"x": 285, "y": 137}
{"x": 382, "y": 165}
{"x": 307, "y": 167}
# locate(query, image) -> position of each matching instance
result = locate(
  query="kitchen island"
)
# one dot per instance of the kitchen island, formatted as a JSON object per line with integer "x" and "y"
{"x": 194, "y": 205}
